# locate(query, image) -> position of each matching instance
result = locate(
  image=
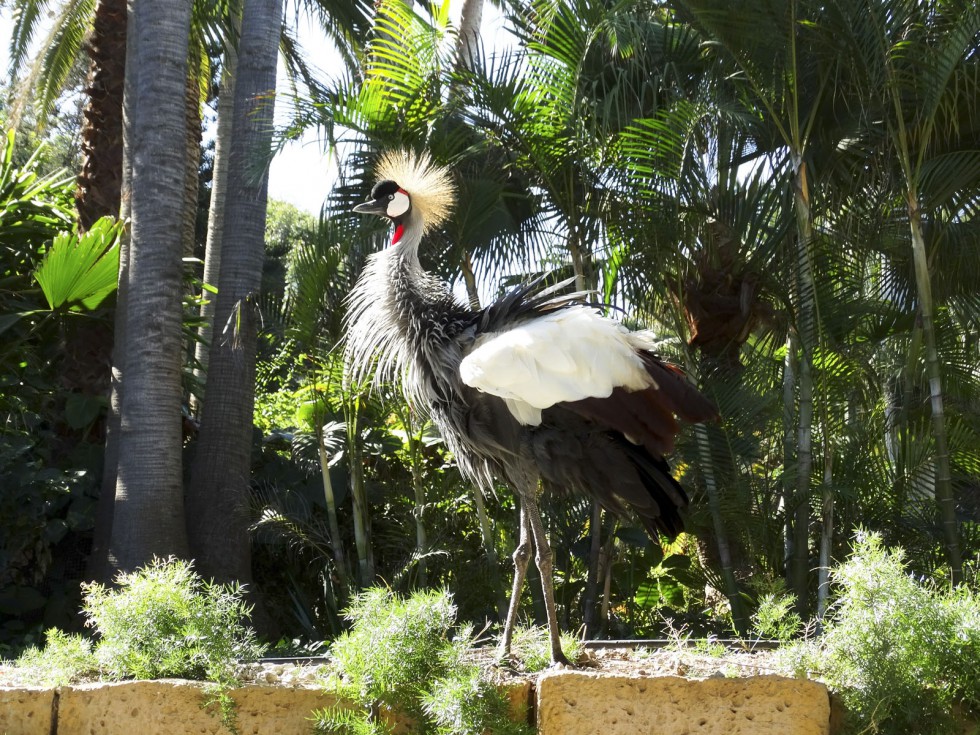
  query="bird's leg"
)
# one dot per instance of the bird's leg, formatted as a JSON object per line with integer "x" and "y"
{"x": 543, "y": 558}
{"x": 522, "y": 554}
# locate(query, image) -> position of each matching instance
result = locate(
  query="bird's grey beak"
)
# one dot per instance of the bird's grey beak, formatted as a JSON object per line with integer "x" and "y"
{"x": 375, "y": 206}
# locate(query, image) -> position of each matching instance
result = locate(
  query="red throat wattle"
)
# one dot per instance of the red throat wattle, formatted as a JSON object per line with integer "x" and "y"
{"x": 399, "y": 231}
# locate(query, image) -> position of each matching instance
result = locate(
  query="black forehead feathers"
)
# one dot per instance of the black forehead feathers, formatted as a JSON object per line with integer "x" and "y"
{"x": 384, "y": 189}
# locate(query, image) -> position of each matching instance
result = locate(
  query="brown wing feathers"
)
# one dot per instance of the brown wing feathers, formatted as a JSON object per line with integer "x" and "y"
{"x": 678, "y": 393}
{"x": 642, "y": 426}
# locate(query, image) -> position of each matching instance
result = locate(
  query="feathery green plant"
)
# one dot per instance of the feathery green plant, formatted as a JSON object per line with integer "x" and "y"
{"x": 903, "y": 654}
{"x": 403, "y": 654}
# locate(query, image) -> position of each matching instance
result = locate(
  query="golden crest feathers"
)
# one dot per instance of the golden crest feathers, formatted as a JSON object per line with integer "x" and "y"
{"x": 430, "y": 186}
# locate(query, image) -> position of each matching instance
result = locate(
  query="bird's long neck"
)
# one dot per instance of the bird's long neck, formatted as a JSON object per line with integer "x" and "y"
{"x": 396, "y": 309}
{"x": 414, "y": 291}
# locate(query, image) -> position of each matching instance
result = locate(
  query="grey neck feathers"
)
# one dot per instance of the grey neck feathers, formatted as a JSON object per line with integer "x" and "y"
{"x": 385, "y": 308}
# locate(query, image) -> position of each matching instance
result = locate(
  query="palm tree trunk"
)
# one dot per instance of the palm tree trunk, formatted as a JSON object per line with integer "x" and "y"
{"x": 336, "y": 544}
{"x": 148, "y": 517}
{"x": 100, "y": 563}
{"x": 827, "y": 529}
{"x": 739, "y": 618}
{"x": 359, "y": 504}
{"x": 216, "y": 213}
{"x": 944, "y": 484}
{"x": 592, "y": 575}
{"x": 806, "y": 330}
{"x": 100, "y": 179}
{"x": 489, "y": 548}
{"x": 218, "y": 506}
{"x": 418, "y": 486}
{"x": 789, "y": 446}
{"x": 192, "y": 154}
{"x": 470, "y": 20}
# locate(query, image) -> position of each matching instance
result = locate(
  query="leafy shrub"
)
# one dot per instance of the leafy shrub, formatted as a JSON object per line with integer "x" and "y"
{"x": 43, "y": 503}
{"x": 165, "y": 621}
{"x": 399, "y": 655}
{"x": 775, "y": 618}
{"x": 63, "y": 659}
{"x": 902, "y": 653}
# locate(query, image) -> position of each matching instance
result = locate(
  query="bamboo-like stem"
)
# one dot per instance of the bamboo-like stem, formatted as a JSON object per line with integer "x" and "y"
{"x": 340, "y": 563}
{"x": 944, "y": 483}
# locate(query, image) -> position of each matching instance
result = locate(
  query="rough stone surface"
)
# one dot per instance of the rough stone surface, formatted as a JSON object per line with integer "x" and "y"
{"x": 175, "y": 708}
{"x": 567, "y": 703}
{"x": 581, "y": 703}
{"x": 25, "y": 711}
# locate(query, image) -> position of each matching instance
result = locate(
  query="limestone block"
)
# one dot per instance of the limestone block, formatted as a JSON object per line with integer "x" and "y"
{"x": 173, "y": 707}
{"x": 583, "y": 703}
{"x": 25, "y": 711}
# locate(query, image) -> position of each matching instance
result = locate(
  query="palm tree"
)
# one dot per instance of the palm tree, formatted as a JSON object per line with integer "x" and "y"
{"x": 149, "y": 517}
{"x": 217, "y": 497}
{"x": 919, "y": 80}
{"x": 782, "y": 77}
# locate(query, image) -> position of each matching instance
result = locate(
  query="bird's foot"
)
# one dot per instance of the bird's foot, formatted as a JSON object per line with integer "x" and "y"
{"x": 560, "y": 661}
{"x": 507, "y": 660}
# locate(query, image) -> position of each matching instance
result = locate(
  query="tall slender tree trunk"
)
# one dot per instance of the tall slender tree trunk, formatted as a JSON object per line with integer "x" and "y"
{"x": 336, "y": 543}
{"x": 944, "y": 483}
{"x": 100, "y": 180}
{"x": 490, "y": 549}
{"x": 358, "y": 494}
{"x": 218, "y": 517}
{"x": 789, "y": 447}
{"x": 101, "y": 563}
{"x": 192, "y": 154}
{"x": 807, "y": 331}
{"x": 592, "y": 573}
{"x": 216, "y": 213}
{"x": 827, "y": 529}
{"x": 739, "y": 618}
{"x": 413, "y": 436}
{"x": 470, "y": 20}
{"x": 148, "y": 517}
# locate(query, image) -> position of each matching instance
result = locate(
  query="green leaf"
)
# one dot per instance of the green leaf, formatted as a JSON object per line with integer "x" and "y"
{"x": 81, "y": 270}
{"x": 81, "y": 410}
{"x": 676, "y": 562}
{"x": 633, "y": 536}
{"x": 647, "y": 595}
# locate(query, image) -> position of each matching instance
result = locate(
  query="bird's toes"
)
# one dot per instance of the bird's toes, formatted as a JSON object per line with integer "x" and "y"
{"x": 507, "y": 661}
{"x": 560, "y": 661}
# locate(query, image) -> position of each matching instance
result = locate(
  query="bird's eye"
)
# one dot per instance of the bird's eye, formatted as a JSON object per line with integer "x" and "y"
{"x": 390, "y": 197}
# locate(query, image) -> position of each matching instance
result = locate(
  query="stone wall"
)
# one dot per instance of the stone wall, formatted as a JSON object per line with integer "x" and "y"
{"x": 564, "y": 703}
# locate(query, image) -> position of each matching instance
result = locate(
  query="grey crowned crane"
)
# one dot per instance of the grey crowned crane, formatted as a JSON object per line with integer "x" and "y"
{"x": 536, "y": 389}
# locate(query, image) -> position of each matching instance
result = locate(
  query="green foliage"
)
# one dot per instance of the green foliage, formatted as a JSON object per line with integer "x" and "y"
{"x": 902, "y": 652}
{"x": 81, "y": 270}
{"x": 401, "y": 654}
{"x": 287, "y": 230}
{"x": 64, "y": 659}
{"x": 163, "y": 620}
{"x": 466, "y": 702}
{"x": 531, "y": 646}
{"x": 775, "y": 619}
{"x": 48, "y": 470}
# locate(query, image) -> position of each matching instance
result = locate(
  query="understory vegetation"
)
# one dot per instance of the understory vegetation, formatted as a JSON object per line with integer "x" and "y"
{"x": 411, "y": 658}
{"x": 902, "y": 651}
{"x": 162, "y": 621}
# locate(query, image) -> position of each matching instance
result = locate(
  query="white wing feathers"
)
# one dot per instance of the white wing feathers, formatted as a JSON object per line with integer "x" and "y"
{"x": 567, "y": 355}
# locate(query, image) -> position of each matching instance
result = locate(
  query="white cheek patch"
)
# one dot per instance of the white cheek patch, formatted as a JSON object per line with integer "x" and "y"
{"x": 398, "y": 205}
